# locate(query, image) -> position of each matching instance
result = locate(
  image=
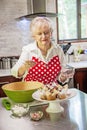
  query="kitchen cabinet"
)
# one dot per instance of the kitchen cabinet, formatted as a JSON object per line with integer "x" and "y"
{"x": 5, "y": 80}
{"x": 80, "y": 79}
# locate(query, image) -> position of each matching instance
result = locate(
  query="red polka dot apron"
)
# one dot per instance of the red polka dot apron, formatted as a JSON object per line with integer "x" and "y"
{"x": 44, "y": 72}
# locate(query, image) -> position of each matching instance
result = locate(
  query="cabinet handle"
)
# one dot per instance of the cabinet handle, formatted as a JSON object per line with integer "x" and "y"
{"x": 77, "y": 85}
{"x": 3, "y": 83}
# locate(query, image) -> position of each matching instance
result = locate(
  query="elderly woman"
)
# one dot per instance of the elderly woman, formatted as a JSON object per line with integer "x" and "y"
{"x": 41, "y": 60}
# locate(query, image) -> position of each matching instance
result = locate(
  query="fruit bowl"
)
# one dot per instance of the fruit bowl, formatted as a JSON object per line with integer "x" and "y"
{"x": 21, "y": 92}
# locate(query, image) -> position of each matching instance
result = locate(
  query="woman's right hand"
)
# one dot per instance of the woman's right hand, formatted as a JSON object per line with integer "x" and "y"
{"x": 25, "y": 67}
{"x": 29, "y": 64}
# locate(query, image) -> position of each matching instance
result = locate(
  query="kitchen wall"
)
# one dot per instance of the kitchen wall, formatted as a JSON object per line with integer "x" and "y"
{"x": 11, "y": 36}
{"x": 15, "y": 34}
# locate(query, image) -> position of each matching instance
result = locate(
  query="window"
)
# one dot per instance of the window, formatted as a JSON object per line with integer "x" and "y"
{"x": 72, "y": 19}
{"x": 84, "y": 18}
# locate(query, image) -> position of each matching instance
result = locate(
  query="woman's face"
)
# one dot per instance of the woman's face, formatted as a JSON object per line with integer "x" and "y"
{"x": 42, "y": 33}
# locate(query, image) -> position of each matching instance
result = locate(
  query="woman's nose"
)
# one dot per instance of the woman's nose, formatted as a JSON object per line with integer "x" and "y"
{"x": 43, "y": 35}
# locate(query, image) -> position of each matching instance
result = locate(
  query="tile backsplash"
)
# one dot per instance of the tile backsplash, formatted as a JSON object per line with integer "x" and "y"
{"x": 13, "y": 34}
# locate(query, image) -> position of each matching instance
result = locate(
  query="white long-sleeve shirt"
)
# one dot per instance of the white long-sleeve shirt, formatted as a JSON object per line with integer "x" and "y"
{"x": 31, "y": 50}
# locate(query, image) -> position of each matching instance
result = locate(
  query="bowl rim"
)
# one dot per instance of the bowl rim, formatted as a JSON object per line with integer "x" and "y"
{"x": 4, "y": 87}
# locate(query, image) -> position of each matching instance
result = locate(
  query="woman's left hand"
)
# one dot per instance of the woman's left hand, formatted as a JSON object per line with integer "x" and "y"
{"x": 66, "y": 73}
{"x": 63, "y": 77}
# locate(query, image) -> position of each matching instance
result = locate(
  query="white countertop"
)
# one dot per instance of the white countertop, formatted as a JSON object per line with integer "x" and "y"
{"x": 80, "y": 64}
{"x": 5, "y": 72}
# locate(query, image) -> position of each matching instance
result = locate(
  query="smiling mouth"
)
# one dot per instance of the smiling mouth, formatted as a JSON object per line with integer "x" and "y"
{"x": 44, "y": 40}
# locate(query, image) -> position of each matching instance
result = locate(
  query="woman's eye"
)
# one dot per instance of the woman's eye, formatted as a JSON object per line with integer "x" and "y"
{"x": 45, "y": 33}
{"x": 39, "y": 34}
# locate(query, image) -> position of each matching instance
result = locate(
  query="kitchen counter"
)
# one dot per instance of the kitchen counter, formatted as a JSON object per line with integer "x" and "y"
{"x": 74, "y": 117}
{"x": 5, "y": 72}
{"x": 81, "y": 64}
{"x": 77, "y": 65}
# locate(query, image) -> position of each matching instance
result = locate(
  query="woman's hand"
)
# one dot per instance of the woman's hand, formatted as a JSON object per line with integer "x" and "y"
{"x": 29, "y": 64}
{"x": 66, "y": 73}
{"x": 25, "y": 67}
{"x": 62, "y": 77}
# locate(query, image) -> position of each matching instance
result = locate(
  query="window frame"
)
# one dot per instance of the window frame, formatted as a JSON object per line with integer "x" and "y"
{"x": 79, "y": 39}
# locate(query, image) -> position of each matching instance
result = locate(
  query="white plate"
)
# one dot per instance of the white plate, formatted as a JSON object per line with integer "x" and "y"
{"x": 71, "y": 93}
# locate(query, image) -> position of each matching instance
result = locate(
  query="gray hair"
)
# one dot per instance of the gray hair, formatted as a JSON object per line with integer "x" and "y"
{"x": 41, "y": 20}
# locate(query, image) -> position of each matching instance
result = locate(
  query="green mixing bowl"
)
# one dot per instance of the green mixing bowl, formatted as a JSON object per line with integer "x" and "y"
{"x": 21, "y": 92}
